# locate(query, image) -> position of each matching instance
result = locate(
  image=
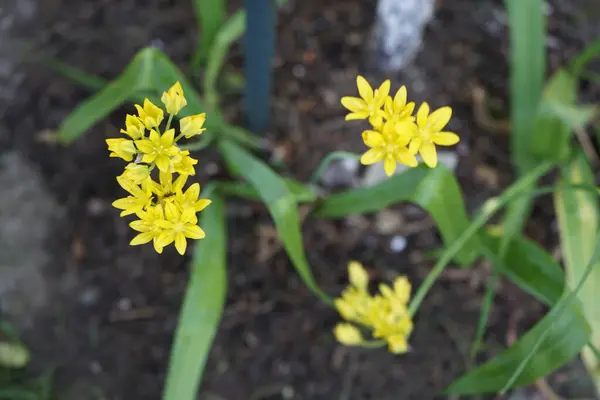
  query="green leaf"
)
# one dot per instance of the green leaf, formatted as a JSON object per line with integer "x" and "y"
{"x": 557, "y": 118}
{"x": 301, "y": 192}
{"x": 282, "y": 206}
{"x": 579, "y": 63}
{"x": 210, "y": 15}
{"x": 528, "y": 265}
{"x": 202, "y": 305}
{"x": 528, "y": 69}
{"x": 149, "y": 74}
{"x": 436, "y": 190}
{"x": 578, "y": 220}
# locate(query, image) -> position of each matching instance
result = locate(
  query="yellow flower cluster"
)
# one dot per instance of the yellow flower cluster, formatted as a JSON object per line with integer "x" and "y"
{"x": 166, "y": 212}
{"x": 385, "y": 314}
{"x": 397, "y": 136}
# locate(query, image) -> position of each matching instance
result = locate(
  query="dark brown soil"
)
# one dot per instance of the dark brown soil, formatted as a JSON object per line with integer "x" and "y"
{"x": 110, "y": 321}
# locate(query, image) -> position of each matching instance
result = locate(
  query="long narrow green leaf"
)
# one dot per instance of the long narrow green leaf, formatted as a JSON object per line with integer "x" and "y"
{"x": 281, "y": 203}
{"x": 301, "y": 192}
{"x": 210, "y": 15}
{"x": 436, "y": 190}
{"x": 578, "y": 220}
{"x": 579, "y": 63}
{"x": 202, "y": 305}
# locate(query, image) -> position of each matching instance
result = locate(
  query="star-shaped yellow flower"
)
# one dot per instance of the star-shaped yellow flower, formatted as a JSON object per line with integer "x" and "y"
{"x": 140, "y": 197}
{"x": 134, "y": 127}
{"x": 158, "y": 149}
{"x": 148, "y": 227}
{"x": 178, "y": 226}
{"x": 370, "y": 102}
{"x": 429, "y": 133}
{"x": 389, "y": 146}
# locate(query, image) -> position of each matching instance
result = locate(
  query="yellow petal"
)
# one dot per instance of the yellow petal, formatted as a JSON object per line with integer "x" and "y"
{"x": 142, "y": 238}
{"x": 357, "y": 115}
{"x": 354, "y": 104}
{"x": 389, "y": 165}
{"x": 165, "y": 239}
{"x": 372, "y": 156}
{"x": 445, "y": 138}
{"x": 364, "y": 89}
{"x": 180, "y": 243}
{"x": 427, "y": 151}
{"x": 406, "y": 130}
{"x": 194, "y": 232}
{"x": 439, "y": 118}
{"x": 400, "y": 98}
{"x": 422, "y": 115}
{"x": 414, "y": 145}
{"x": 167, "y": 138}
{"x": 358, "y": 276}
{"x": 397, "y": 344}
{"x": 347, "y": 334}
{"x": 157, "y": 247}
{"x": 372, "y": 139}
{"x": 402, "y": 289}
{"x": 202, "y": 204}
{"x": 163, "y": 162}
{"x": 382, "y": 93}
{"x": 171, "y": 212}
{"x": 407, "y": 158}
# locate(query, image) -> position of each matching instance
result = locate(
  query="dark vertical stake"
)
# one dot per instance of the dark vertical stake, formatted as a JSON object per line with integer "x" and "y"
{"x": 259, "y": 48}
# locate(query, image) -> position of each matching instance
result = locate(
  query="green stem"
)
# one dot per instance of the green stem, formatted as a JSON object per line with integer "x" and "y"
{"x": 488, "y": 210}
{"x": 169, "y": 124}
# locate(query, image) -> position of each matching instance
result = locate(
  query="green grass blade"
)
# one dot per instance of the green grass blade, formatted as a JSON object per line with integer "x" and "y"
{"x": 301, "y": 192}
{"x": 578, "y": 221}
{"x": 202, "y": 306}
{"x": 281, "y": 203}
{"x": 436, "y": 190}
{"x": 579, "y": 63}
{"x": 76, "y": 75}
{"x": 210, "y": 16}
{"x": 528, "y": 70}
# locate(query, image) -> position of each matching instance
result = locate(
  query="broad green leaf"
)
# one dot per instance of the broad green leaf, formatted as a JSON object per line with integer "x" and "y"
{"x": 578, "y": 220}
{"x": 282, "y": 206}
{"x": 210, "y": 16}
{"x": 557, "y": 117}
{"x": 528, "y": 265}
{"x": 528, "y": 70}
{"x": 202, "y": 306}
{"x": 148, "y": 75}
{"x": 301, "y": 192}
{"x": 436, "y": 190}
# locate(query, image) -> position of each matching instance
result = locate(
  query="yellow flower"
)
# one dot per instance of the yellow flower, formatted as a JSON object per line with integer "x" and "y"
{"x": 190, "y": 199}
{"x": 138, "y": 201}
{"x": 192, "y": 125}
{"x": 359, "y": 278}
{"x": 166, "y": 189}
{"x": 429, "y": 133}
{"x": 173, "y": 99}
{"x": 148, "y": 227}
{"x": 184, "y": 164}
{"x": 121, "y": 148}
{"x": 134, "y": 127}
{"x": 158, "y": 149}
{"x": 385, "y": 314}
{"x": 138, "y": 173}
{"x": 177, "y": 226}
{"x": 389, "y": 146}
{"x": 397, "y": 109}
{"x": 370, "y": 102}
{"x": 348, "y": 334}
{"x": 150, "y": 114}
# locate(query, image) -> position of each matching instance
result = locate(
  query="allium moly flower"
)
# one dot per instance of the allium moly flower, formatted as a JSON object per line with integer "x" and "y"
{"x": 173, "y": 99}
{"x": 429, "y": 133}
{"x": 192, "y": 125}
{"x": 385, "y": 314}
{"x": 179, "y": 226}
{"x": 166, "y": 212}
{"x": 370, "y": 102}
{"x": 158, "y": 148}
{"x": 389, "y": 146}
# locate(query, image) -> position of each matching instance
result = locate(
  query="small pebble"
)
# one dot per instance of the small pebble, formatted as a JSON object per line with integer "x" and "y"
{"x": 398, "y": 244}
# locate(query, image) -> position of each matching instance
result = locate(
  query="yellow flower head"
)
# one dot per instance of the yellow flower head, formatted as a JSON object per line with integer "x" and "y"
{"x": 192, "y": 125}
{"x": 389, "y": 146}
{"x": 173, "y": 99}
{"x": 429, "y": 133}
{"x": 166, "y": 212}
{"x": 134, "y": 127}
{"x": 150, "y": 114}
{"x": 121, "y": 148}
{"x": 348, "y": 335}
{"x": 385, "y": 314}
{"x": 370, "y": 102}
{"x": 397, "y": 109}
